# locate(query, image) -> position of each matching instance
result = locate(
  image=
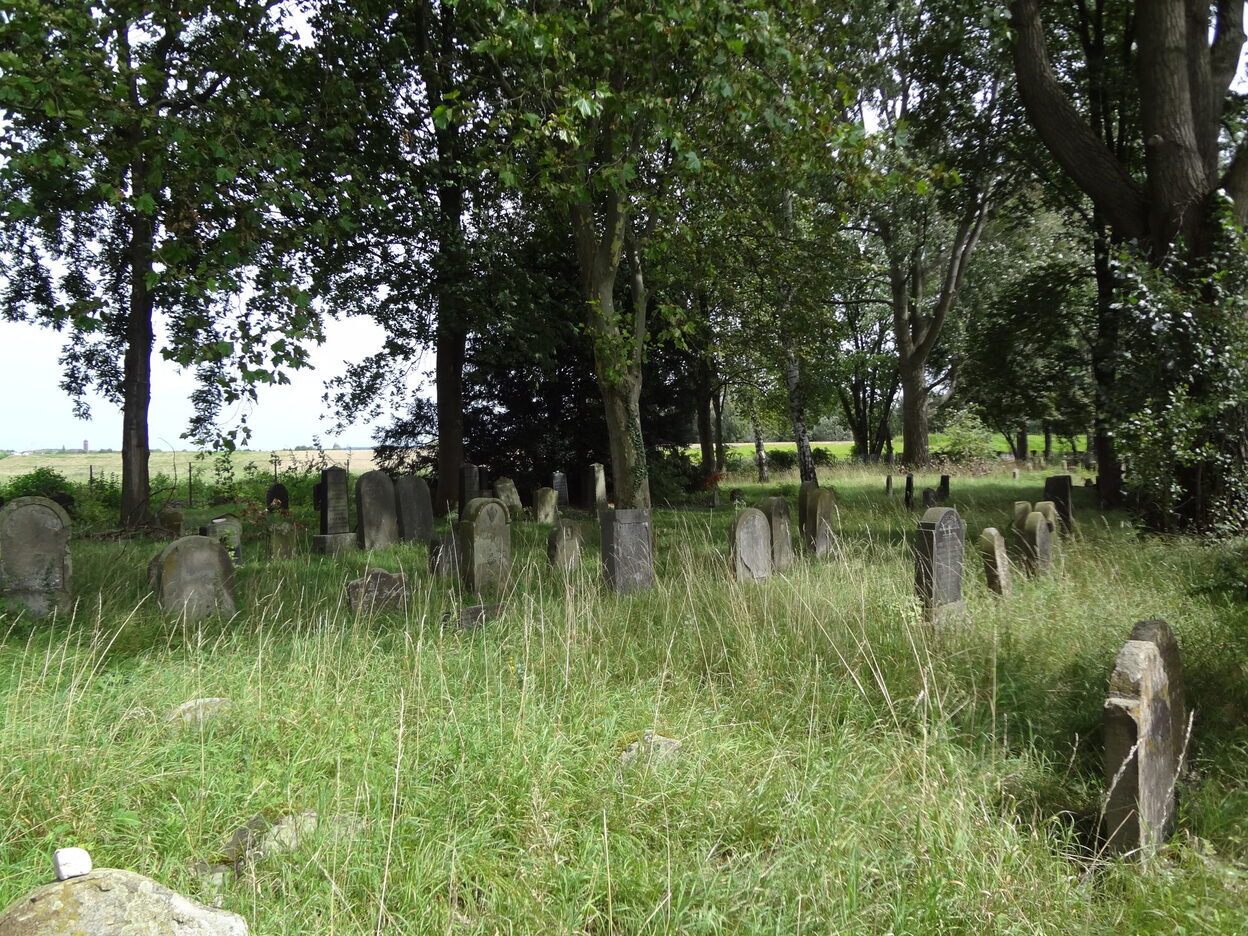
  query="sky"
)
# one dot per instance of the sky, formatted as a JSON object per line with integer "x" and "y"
{"x": 37, "y": 414}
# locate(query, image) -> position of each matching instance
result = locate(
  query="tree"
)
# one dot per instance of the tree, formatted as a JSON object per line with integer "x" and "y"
{"x": 149, "y": 155}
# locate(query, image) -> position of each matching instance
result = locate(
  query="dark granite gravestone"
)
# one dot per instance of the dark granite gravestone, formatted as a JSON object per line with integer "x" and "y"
{"x": 627, "y": 551}
{"x": 1061, "y": 491}
{"x": 414, "y": 509}
{"x": 938, "y": 556}
{"x": 546, "y": 505}
{"x": 563, "y": 544}
{"x": 888, "y": 485}
{"x": 1145, "y": 725}
{"x": 34, "y": 556}
{"x": 909, "y": 492}
{"x": 805, "y": 534}
{"x": 559, "y": 481}
{"x": 821, "y": 521}
{"x": 376, "y": 515}
{"x": 1037, "y": 544}
{"x": 335, "y": 535}
{"x": 193, "y": 577}
{"x": 777, "y": 511}
{"x": 942, "y": 492}
{"x": 469, "y": 486}
{"x": 749, "y": 545}
{"x": 996, "y": 565}
{"x": 277, "y": 497}
{"x": 484, "y": 535}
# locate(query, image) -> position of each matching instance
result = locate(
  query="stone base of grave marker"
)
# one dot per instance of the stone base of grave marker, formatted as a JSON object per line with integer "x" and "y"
{"x": 331, "y": 544}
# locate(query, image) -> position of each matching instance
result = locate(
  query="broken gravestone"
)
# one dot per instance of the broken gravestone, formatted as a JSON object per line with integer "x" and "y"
{"x": 996, "y": 565}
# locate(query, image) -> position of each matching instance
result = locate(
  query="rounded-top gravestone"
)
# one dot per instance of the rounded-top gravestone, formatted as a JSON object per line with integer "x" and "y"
{"x": 34, "y": 555}
{"x": 193, "y": 576}
{"x": 749, "y": 550}
{"x": 484, "y": 543}
{"x": 376, "y": 515}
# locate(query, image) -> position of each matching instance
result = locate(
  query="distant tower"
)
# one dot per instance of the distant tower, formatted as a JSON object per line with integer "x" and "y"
{"x": 85, "y": 447}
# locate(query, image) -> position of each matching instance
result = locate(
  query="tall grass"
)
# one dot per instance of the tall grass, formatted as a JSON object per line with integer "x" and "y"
{"x": 843, "y": 769}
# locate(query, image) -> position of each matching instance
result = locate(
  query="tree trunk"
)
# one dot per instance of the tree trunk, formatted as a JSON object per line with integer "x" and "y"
{"x": 706, "y": 437}
{"x": 914, "y": 429}
{"x": 449, "y": 374}
{"x": 1104, "y": 375}
{"x": 1020, "y": 444}
{"x": 760, "y": 452}
{"x": 1048, "y": 443}
{"x": 137, "y": 375}
{"x": 797, "y": 416}
{"x": 721, "y": 454}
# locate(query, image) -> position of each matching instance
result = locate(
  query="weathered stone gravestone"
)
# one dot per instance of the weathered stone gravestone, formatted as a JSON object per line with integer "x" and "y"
{"x": 805, "y": 534}
{"x": 595, "y": 487}
{"x": 888, "y": 485}
{"x": 1060, "y": 490}
{"x": 563, "y": 545}
{"x": 1049, "y": 509}
{"x": 1037, "y": 544}
{"x": 1016, "y": 474}
{"x": 777, "y": 511}
{"x": 909, "y": 492}
{"x": 938, "y": 556}
{"x": 821, "y": 521}
{"x": 277, "y": 497}
{"x": 1145, "y": 723}
{"x": 376, "y": 515}
{"x": 414, "y": 509}
{"x": 484, "y": 534}
{"x": 931, "y": 498}
{"x": 377, "y": 591}
{"x": 35, "y": 569}
{"x": 170, "y": 521}
{"x": 749, "y": 545}
{"x": 193, "y": 577}
{"x": 335, "y": 536}
{"x": 505, "y": 490}
{"x": 559, "y": 481}
{"x": 444, "y": 556}
{"x": 229, "y": 530}
{"x": 627, "y": 551}
{"x": 942, "y": 492}
{"x": 469, "y": 486}
{"x": 283, "y": 541}
{"x": 546, "y": 505}
{"x": 996, "y": 565}
{"x": 1022, "y": 510}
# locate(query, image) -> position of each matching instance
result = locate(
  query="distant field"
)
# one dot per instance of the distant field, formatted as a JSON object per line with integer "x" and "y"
{"x": 78, "y": 466}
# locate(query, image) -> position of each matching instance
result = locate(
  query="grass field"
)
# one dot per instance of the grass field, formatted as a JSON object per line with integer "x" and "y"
{"x": 843, "y": 769}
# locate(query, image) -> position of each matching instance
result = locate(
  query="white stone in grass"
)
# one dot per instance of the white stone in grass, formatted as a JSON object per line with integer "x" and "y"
{"x": 198, "y": 711}
{"x": 656, "y": 747}
{"x": 70, "y": 862}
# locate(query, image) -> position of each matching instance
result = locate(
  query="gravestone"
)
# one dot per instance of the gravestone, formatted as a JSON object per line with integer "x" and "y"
{"x": 318, "y": 496}
{"x": 414, "y": 508}
{"x": 376, "y": 515}
{"x": 546, "y": 505}
{"x": 931, "y": 497}
{"x": 749, "y": 545}
{"x": 484, "y": 535}
{"x": 283, "y": 541}
{"x": 595, "y": 487}
{"x": 1016, "y": 474}
{"x": 938, "y": 555}
{"x": 888, "y": 485}
{"x": 1061, "y": 491}
{"x": 1037, "y": 544}
{"x": 469, "y": 486}
{"x": 909, "y": 492}
{"x": 170, "y": 521}
{"x": 942, "y": 492}
{"x": 627, "y": 550}
{"x": 803, "y": 500}
{"x": 996, "y": 565}
{"x": 35, "y": 569}
{"x": 1145, "y": 727}
{"x": 193, "y": 577}
{"x": 335, "y": 536}
{"x": 563, "y": 544}
{"x": 229, "y": 530}
{"x": 444, "y": 556}
{"x": 277, "y": 497}
{"x": 777, "y": 511}
{"x": 505, "y": 490}
{"x": 1049, "y": 509}
{"x": 559, "y": 481}
{"x": 377, "y": 591}
{"x": 820, "y": 521}
{"x": 1022, "y": 510}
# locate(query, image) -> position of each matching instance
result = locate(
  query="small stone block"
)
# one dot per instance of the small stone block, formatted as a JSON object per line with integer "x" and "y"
{"x": 70, "y": 863}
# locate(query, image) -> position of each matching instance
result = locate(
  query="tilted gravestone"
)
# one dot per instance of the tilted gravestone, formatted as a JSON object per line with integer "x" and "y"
{"x": 376, "y": 515}
{"x": 563, "y": 544}
{"x": 1145, "y": 721}
{"x": 1037, "y": 544}
{"x": 938, "y": 557}
{"x": 1022, "y": 510}
{"x": 35, "y": 569}
{"x": 821, "y": 521}
{"x": 378, "y": 590}
{"x": 942, "y": 492}
{"x": 1049, "y": 509}
{"x": 469, "y": 486}
{"x": 194, "y": 577}
{"x": 931, "y": 498}
{"x": 559, "y": 481}
{"x": 749, "y": 545}
{"x": 803, "y": 499}
{"x": 277, "y": 497}
{"x": 444, "y": 556}
{"x": 546, "y": 505}
{"x": 1061, "y": 491}
{"x": 335, "y": 536}
{"x": 484, "y": 534}
{"x": 414, "y": 509}
{"x": 627, "y": 551}
{"x": 595, "y": 492}
{"x": 505, "y": 490}
{"x": 909, "y": 492}
{"x": 996, "y": 565}
{"x": 777, "y": 511}
{"x": 229, "y": 530}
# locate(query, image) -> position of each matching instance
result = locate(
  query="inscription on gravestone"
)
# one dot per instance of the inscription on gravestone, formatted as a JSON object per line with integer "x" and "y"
{"x": 559, "y": 481}
{"x": 938, "y": 556}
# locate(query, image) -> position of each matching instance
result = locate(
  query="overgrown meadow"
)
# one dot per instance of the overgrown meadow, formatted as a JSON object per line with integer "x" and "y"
{"x": 844, "y": 769}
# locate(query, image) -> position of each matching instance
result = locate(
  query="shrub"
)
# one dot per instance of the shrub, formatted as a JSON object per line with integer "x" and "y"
{"x": 967, "y": 439}
{"x": 42, "y": 482}
{"x": 673, "y": 475}
{"x": 781, "y": 460}
{"x": 735, "y": 462}
{"x": 822, "y": 457}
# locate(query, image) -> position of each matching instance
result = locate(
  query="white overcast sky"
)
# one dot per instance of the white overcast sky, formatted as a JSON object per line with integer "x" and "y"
{"x": 38, "y": 414}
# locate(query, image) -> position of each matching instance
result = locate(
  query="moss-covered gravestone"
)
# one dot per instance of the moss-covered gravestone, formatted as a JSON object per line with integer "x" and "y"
{"x": 34, "y": 556}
